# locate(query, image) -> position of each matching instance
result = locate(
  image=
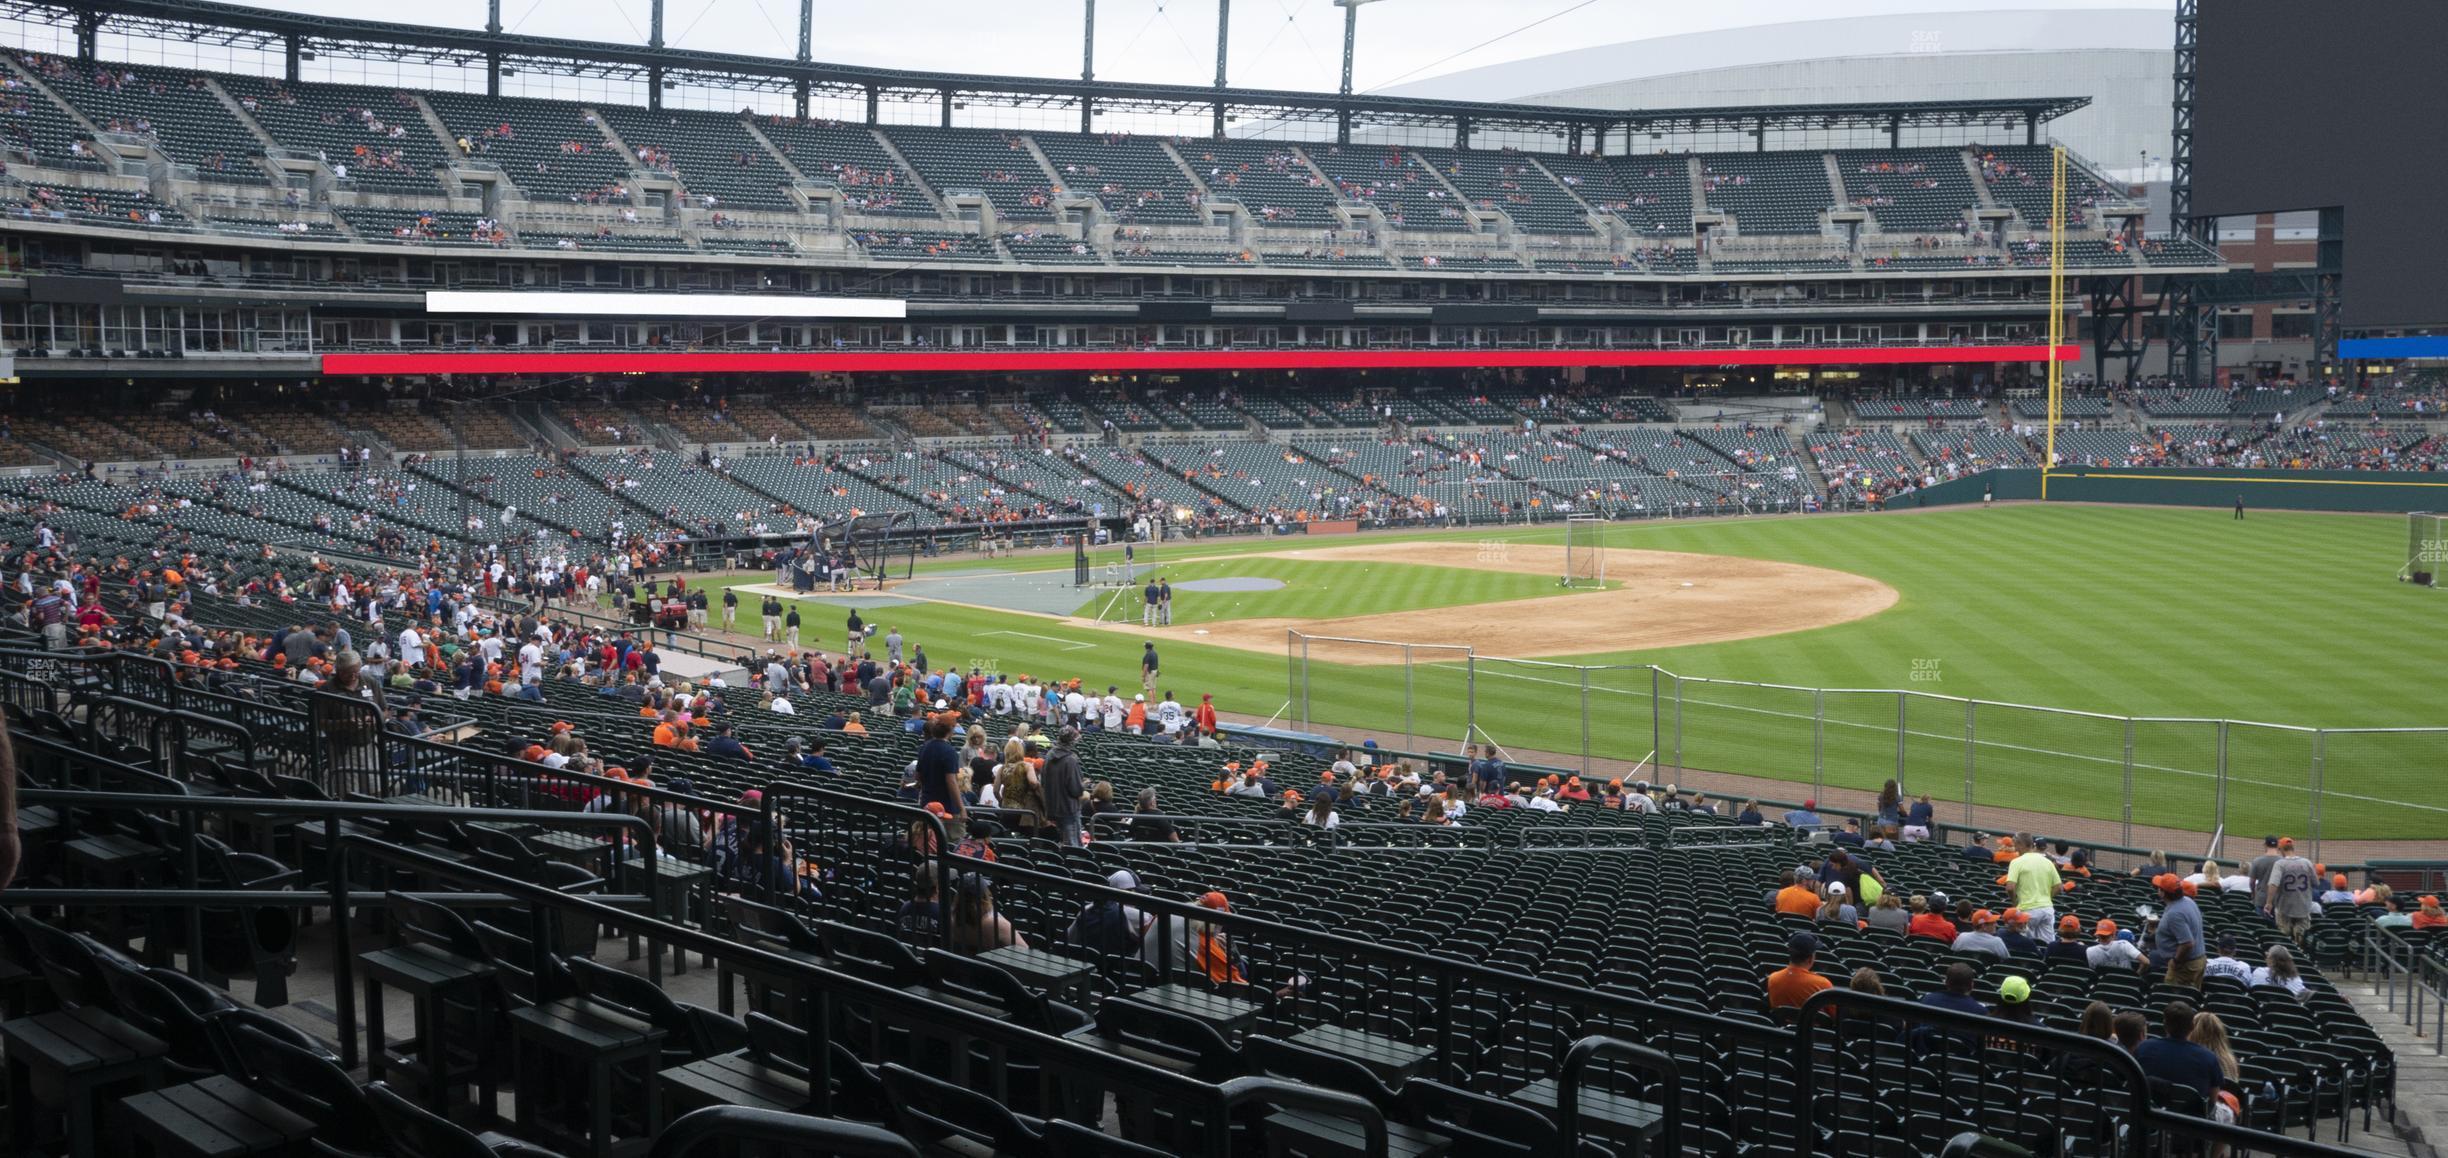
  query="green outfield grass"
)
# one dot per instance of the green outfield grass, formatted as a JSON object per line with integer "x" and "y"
{"x": 1322, "y": 590}
{"x": 2284, "y": 618}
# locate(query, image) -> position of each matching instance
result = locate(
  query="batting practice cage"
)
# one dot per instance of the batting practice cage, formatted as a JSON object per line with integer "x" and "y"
{"x": 1117, "y": 564}
{"x": 2426, "y": 547}
{"x": 881, "y": 547}
{"x": 1584, "y": 551}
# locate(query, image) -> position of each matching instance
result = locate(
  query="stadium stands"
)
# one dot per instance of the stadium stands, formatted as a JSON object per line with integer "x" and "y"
{"x": 1396, "y": 181}
{"x": 1271, "y": 179}
{"x": 996, "y": 165}
{"x": 43, "y": 132}
{"x": 423, "y": 226}
{"x": 848, "y": 157}
{"x": 717, "y": 162}
{"x": 161, "y": 107}
{"x": 1909, "y": 190}
{"x": 1050, "y": 249}
{"x": 374, "y": 139}
{"x": 554, "y": 150}
{"x": 1510, "y": 183}
{"x": 2019, "y": 177}
{"x": 92, "y": 205}
{"x": 924, "y": 245}
{"x": 1135, "y": 178}
{"x": 1768, "y": 193}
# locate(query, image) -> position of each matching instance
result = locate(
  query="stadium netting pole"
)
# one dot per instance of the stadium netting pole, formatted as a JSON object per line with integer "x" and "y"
{"x": 2056, "y": 321}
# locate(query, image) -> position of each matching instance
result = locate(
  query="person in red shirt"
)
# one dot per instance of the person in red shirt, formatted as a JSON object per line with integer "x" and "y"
{"x": 1574, "y": 791}
{"x": 1797, "y": 981}
{"x": 1930, "y": 920}
{"x": 1205, "y": 718}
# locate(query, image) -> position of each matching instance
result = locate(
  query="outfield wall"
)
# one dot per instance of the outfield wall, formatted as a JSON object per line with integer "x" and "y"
{"x": 2294, "y": 490}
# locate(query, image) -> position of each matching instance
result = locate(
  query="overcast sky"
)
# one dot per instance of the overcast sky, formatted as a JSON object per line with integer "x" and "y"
{"x": 1287, "y": 44}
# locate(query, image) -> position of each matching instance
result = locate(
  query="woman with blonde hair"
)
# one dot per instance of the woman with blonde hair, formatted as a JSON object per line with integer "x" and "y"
{"x": 2211, "y": 1034}
{"x": 1017, "y": 786}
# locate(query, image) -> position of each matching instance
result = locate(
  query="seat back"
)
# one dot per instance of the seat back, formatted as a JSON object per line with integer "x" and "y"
{"x": 600, "y": 982}
{"x": 150, "y": 1006}
{"x": 871, "y": 955}
{"x": 311, "y": 1085}
{"x": 1068, "y": 1138}
{"x": 415, "y": 1132}
{"x": 70, "y": 963}
{"x": 1480, "y": 1124}
{"x": 426, "y": 921}
{"x": 927, "y": 1109}
{"x": 953, "y": 971}
{"x": 1186, "y": 1040}
{"x": 1281, "y": 1059}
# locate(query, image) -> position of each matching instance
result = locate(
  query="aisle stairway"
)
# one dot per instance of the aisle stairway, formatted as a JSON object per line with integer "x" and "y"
{"x": 2422, "y": 1073}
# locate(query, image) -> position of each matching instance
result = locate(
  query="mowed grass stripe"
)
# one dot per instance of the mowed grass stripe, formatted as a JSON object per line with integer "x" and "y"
{"x": 1320, "y": 589}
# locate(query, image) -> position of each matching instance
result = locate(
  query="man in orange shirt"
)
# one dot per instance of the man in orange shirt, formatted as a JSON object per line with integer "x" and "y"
{"x": 1791, "y": 986}
{"x": 667, "y": 733}
{"x": 1800, "y": 896}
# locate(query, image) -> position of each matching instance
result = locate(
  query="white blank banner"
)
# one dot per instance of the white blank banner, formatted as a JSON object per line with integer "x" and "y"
{"x": 661, "y": 305}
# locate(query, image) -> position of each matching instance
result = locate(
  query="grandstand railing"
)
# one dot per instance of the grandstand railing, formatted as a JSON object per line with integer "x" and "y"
{"x": 2089, "y": 1091}
{"x": 2411, "y": 973}
{"x": 1306, "y": 958}
{"x": 1192, "y": 1115}
{"x": 2105, "y": 779}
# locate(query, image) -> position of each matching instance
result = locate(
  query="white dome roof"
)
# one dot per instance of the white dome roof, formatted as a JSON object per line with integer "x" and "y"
{"x": 1957, "y": 33}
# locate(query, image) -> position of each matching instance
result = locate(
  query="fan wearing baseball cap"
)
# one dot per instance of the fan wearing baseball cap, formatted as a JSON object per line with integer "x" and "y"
{"x": 2113, "y": 951}
{"x": 1799, "y": 979}
{"x": 2069, "y": 943}
{"x": 2178, "y": 944}
{"x": 1981, "y": 937}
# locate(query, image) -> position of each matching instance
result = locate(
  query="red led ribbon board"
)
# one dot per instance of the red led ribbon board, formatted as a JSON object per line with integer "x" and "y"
{"x": 1017, "y": 361}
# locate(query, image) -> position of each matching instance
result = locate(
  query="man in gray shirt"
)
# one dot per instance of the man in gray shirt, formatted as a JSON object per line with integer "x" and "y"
{"x": 2178, "y": 944}
{"x": 892, "y": 646}
{"x": 2259, "y": 869}
{"x": 1982, "y": 937}
{"x": 2288, "y": 897}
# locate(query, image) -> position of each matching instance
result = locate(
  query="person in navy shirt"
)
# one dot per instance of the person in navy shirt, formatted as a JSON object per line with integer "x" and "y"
{"x": 726, "y": 744}
{"x": 2175, "y": 1059}
{"x": 814, "y": 758}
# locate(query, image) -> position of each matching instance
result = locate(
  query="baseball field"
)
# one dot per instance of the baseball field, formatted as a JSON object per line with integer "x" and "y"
{"x": 2289, "y": 619}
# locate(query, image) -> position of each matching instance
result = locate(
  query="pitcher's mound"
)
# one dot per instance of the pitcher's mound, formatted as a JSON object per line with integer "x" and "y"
{"x": 1656, "y": 599}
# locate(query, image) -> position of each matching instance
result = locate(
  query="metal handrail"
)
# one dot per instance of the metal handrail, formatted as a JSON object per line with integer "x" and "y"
{"x": 2411, "y": 978}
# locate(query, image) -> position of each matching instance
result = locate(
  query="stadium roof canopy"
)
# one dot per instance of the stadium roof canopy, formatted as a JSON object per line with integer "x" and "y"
{"x": 302, "y": 35}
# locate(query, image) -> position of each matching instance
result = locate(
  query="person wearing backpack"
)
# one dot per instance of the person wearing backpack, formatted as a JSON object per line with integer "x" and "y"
{"x": 1110, "y": 928}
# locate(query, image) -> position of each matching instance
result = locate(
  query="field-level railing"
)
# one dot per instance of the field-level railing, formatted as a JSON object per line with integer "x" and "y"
{"x": 2155, "y": 781}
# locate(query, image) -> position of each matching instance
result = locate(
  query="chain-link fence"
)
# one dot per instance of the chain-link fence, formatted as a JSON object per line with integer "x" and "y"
{"x": 2129, "y": 780}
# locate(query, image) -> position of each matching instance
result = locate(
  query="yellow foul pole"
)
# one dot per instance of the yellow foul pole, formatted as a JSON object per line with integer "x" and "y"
{"x": 2056, "y": 318}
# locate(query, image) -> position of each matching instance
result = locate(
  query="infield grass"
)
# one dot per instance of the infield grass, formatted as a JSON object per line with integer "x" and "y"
{"x": 1325, "y": 590}
{"x": 2283, "y": 618}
